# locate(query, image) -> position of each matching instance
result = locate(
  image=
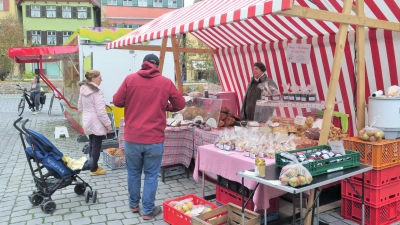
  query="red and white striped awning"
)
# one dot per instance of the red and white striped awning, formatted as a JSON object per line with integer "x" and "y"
{"x": 244, "y": 32}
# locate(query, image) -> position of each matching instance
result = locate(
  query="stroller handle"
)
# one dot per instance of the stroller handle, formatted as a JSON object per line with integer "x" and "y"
{"x": 15, "y": 124}
{"x": 23, "y": 125}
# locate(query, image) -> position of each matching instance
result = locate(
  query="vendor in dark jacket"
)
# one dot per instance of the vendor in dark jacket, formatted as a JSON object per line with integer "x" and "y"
{"x": 253, "y": 92}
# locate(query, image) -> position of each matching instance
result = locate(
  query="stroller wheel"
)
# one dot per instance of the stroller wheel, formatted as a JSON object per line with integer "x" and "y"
{"x": 94, "y": 196}
{"x": 88, "y": 194}
{"x": 35, "y": 199}
{"x": 80, "y": 189}
{"x": 49, "y": 207}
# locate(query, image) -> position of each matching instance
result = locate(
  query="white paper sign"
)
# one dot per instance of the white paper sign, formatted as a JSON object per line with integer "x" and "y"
{"x": 300, "y": 120}
{"x": 337, "y": 147}
{"x": 298, "y": 53}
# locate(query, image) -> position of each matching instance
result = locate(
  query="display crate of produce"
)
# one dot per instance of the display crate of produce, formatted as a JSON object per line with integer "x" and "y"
{"x": 270, "y": 216}
{"x": 225, "y": 196}
{"x": 176, "y": 217}
{"x": 373, "y": 196}
{"x": 387, "y": 214}
{"x": 227, "y": 214}
{"x": 114, "y": 162}
{"x": 379, "y": 178}
{"x": 380, "y": 155}
{"x": 318, "y": 167}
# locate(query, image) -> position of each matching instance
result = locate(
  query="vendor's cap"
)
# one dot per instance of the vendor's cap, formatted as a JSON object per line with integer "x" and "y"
{"x": 152, "y": 59}
{"x": 261, "y": 66}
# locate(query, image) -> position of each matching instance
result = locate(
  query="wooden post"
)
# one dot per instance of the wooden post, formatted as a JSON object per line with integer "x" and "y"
{"x": 360, "y": 35}
{"x": 177, "y": 64}
{"x": 162, "y": 54}
{"x": 333, "y": 84}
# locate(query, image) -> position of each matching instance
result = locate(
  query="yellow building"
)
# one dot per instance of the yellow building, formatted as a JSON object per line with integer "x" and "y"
{"x": 7, "y": 7}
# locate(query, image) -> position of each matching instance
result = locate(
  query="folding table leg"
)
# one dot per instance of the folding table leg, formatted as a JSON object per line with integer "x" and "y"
{"x": 203, "y": 183}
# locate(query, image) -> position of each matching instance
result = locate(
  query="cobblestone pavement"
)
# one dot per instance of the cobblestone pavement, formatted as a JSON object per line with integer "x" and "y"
{"x": 16, "y": 182}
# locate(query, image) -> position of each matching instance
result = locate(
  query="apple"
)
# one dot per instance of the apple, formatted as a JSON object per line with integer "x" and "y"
{"x": 190, "y": 205}
{"x": 309, "y": 179}
{"x": 372, "y": 138}
{"x": 379, "y": 135}
{"x": 284, "y": 180}
{"x": 294, "y": 181}
{"x": 365, "y": 137}
{"x": 302, "y": 180}
{"x": 292, "y": 173}
{"x": 361, "y": 132}
{"x": 185, "y": 207}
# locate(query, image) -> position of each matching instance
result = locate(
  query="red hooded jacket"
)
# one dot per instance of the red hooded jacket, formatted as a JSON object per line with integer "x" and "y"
{"x": 145, "y": 95}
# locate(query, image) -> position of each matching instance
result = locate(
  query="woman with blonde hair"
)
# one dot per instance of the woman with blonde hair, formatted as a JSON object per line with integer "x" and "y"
{"x": 96, "y": 122}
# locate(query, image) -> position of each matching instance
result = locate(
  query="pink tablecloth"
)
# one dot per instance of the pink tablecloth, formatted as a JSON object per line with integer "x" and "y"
{"x": 209, "y": 159}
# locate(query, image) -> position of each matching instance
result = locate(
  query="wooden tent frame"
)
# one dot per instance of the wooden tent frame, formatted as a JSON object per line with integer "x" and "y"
{"x": 345, "y": 19}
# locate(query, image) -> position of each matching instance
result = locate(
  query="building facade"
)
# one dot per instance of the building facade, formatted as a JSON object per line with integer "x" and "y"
{"x": 7, "y": 7}
{"x": 53, "y": 22}
{"x": 134, "y": 13}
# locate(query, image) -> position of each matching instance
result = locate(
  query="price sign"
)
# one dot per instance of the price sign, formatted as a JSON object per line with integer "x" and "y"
{"x": 300, "y": 120}
{"x": 337, "y": 147}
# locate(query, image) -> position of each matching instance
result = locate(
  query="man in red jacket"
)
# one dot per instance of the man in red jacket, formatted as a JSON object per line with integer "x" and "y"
{"x": 146, "y": 96}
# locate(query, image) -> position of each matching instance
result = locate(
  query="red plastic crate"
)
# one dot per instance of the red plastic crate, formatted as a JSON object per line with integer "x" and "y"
{"x": 379, "y": 178}
{"x": 175, "y": 217}
{"x": 384, "y": 215}
{"x": 225, "y": 196}
{"x": 373, "y": 196}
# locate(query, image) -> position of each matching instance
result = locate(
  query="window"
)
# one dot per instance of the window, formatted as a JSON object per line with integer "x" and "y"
{"x": 35, "y": 10}
{"x": 36, "y": 38}
{"x": 82, "y": 12}
{"x": 66, "y": 12}
{"x": 127, "y": 3}
{"x": 1, "y": 5}
{"x": 142, "y": 3}
{"x": 51, "y": 38}
{"x": 66, "y": 35}
{"x": 111, "y": 2}
{"x": 50, "y": 11}
{"x": 157, "y": 3}
{"x": 172, "y": 4}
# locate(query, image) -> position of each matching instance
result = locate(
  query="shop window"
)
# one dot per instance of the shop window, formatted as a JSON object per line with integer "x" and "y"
{"x": 51, "y": 38}
{"x": 35, "y": 10}
{"x": 36, "y": 37}
{"x": 66, "y": 12}
{"x": 142, "y": 3}
{"x": 111, "y": 2}
{"x": 157, "y": 3}
{"x": 50, "y": 11}
{"x": 82, "y": 12}
{"x": 66, "y": 35}
{"x": 127, "y": 3}
{"x": 172, "y": 4}
{"x": 1, "y": 5}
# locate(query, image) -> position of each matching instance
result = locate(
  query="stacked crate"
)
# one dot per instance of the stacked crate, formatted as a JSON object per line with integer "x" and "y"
{"x": 381, "y": 185}
{"x": 228, "y": 191}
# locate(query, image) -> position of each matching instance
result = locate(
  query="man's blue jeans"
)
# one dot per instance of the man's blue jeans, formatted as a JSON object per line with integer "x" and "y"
{"x": 147, "y": 158}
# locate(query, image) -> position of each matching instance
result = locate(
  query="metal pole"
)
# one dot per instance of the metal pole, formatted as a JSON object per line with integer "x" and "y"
{"x": 242, "y": 200}
{"x": 203, "y": 183}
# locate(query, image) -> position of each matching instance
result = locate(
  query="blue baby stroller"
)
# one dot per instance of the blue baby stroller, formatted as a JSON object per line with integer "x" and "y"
{"x": 51, "y": 172}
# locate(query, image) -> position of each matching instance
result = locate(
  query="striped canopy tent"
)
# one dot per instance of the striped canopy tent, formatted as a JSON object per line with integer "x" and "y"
{"x": 239, "y": 33}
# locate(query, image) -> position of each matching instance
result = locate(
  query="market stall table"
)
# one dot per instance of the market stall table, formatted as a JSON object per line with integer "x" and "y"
{"x": 227, "y": 164}
{"x": 271, "y": 179}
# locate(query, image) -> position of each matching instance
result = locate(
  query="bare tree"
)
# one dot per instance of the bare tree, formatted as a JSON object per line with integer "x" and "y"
{"x": 11, "y": 36}
{"x": 105, "y": 22}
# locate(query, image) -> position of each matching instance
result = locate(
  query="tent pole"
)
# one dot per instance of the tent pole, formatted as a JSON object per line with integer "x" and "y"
{"x": 360, "y": 35}
{"x": 162, "y": 54}
{"x": 177, "y": 64}
{"x": 333, "y": 84}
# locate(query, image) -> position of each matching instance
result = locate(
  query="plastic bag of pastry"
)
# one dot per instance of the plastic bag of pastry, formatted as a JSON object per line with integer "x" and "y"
{"x": 295, "y": 174}
{"x": 370, "y": 133}
{"x": 313, "y": 133}
{"x": 394, "y": 91}
{"x": 290, "y": 144}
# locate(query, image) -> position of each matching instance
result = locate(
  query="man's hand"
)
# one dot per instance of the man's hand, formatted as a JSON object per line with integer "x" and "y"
{"x": 109, "y": 129}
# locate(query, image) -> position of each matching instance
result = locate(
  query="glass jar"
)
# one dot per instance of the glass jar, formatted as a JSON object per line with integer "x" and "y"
{"x": 292, "y": 97}
{"x": 304, "y": 97}
{"x": 297, "y": 97}
{"x": 285, "y": 96}
{"x": 311, "y": 97}
{"x": 276, "y": 97}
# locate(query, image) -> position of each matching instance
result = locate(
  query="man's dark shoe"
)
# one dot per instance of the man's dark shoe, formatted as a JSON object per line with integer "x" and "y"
{"x": 156, "y": 211}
